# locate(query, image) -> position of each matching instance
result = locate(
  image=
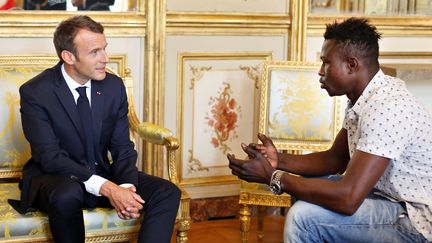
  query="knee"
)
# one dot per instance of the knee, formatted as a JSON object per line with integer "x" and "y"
{"x": 299, "y": 219}
{"x": 170, "y": 190}
{"x": 66, "y": 196}
{"x": 296, "y": 214}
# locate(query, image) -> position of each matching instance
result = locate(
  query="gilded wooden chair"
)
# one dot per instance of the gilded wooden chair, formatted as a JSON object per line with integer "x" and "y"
{"x": 298, "y": 116}
{"x": 101, "y": 224}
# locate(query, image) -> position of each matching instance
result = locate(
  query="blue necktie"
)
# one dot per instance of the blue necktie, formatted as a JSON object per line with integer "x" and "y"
{"x": 83, "y": 106}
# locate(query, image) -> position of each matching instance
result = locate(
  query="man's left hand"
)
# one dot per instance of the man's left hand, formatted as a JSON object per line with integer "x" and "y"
{"x": 256, "y": 169}
{"x": 126, "y": 201}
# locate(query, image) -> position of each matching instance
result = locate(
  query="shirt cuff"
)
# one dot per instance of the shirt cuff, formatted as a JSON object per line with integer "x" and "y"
{"x": 93, "y": 184}
{"x": 126, "y": 185}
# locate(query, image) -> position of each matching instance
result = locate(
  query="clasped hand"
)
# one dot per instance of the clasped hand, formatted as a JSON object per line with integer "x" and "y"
{"x": 125, "y": 201}
{"x": 262, "y": 161}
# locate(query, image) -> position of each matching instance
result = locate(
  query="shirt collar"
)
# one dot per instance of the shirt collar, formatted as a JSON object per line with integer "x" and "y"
{"x": 72, "y": 84}
{"x": 370, "y": 89}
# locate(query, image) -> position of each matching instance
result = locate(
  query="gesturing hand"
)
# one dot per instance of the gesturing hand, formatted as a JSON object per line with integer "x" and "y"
{"x": 125, "y": 201}
{"x": 267, "y": 149}
{"x": 256, "y": 169}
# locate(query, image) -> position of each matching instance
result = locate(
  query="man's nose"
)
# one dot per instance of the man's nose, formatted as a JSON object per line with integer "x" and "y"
{"x": 321, "y": 71}
{"x": 105, "y": 57}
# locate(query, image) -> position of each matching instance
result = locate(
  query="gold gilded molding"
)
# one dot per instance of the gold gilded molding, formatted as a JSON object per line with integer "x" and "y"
{"x": 299, "y": 143}
{"x": 259, "y": 197}
{"x": 15, "y": 23}
{"x": 194, "y": 165}
{"x": 197, "y": 74}
{"x": 409, "y": 55}
{"x": 387, "y": 25}
{"x": 264, "y": 198}
{"x": 299, "y": 19}
{"x": 253, "y": 73}
{"x": 203, "y": 23}
{"x": 154, "y": 79}
{"x": 206, "y": 181}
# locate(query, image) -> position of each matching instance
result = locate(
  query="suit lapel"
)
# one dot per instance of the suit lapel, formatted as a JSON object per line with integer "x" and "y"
{"x": 68, "y": 102}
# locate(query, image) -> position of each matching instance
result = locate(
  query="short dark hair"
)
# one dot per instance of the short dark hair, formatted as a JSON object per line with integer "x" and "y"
{"x": 66, "y": 31}
{"x": 358, "y": 37}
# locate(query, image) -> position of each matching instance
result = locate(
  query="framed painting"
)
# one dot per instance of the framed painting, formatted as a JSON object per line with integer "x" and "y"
{"x": 294, "y": 111}
{"x": 218, "y": 104}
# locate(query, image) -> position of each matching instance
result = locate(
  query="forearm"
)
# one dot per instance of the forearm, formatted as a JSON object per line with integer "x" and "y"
{"x": 314, "y": 164}
{"x": 344, "y": 195}
{"x": 335, "y": 196}
{"x": 331, "y": 161}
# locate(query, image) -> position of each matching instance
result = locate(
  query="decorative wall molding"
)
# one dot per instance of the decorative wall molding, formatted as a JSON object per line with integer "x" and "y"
{"x": 388, "y": 25}
{"x": 42, "y": 23}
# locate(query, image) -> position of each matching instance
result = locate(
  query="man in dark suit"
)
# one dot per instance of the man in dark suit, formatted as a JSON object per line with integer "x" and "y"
{"x": 44, "y": 5}
{"x": 70, "y": 167}
{"x": 93, "y": 5}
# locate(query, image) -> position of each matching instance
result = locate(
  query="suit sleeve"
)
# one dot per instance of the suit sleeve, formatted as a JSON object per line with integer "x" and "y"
{"x": 45, "y": 146}
{"x": 122, "y": 150}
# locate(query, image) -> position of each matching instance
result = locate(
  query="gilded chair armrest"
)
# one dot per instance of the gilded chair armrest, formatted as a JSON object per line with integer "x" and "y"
{"x": 158, "y": 135}
{"x": 162, "y": 136}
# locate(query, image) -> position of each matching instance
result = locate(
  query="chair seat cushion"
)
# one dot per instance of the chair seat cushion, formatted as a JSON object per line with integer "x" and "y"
{"x": 34, "y": 225}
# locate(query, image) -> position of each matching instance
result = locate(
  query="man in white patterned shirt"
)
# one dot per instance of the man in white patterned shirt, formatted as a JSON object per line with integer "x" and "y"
{"x": 384, "y": 152}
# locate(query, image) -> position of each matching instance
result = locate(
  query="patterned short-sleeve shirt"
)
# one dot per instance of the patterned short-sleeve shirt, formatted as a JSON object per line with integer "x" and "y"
{"x": 388, "y": 121}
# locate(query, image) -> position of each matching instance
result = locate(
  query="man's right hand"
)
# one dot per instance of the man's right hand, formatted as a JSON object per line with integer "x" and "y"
{"x": 77, "y": 3}
{"x": 125, "y": 201}
{"x": 267, "y": 149}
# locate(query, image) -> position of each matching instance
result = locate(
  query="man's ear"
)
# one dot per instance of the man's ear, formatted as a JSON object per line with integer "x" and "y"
{"x": 352, "y": 64}
{"x": 68, "y": 57}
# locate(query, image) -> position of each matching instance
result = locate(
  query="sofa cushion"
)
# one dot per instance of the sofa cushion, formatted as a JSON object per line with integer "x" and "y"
{"x": 34, "y": 225}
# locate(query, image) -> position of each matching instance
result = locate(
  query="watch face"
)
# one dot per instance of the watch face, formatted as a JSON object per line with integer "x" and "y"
{"x": 275, "y": 188}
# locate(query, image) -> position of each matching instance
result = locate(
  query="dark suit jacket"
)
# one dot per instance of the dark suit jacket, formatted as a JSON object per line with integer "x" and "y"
{"x": 52, "y": 126}
{"x": 97, "y": 5}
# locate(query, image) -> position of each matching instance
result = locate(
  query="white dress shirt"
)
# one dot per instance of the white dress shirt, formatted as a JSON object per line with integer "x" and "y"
{"x": 94, "y": 183}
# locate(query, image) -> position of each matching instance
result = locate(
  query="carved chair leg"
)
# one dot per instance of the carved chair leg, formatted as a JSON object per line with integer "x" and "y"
{"x": 182, "y": 236}
{"x": 245, "y": 218}
{"x": 182, "y": 230}
{"x": 261, "y": 214}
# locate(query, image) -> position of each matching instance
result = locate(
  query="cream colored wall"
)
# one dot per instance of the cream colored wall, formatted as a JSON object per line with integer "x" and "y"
{"x": 239, "y": 6}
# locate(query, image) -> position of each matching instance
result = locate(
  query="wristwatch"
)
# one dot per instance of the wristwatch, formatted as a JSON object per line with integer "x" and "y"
{"x": 275, "y": 182}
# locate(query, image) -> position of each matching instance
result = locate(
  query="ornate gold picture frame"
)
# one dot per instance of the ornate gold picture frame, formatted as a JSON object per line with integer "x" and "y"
{"x": 294, "y": 111}
{"x": 218, "y": 103}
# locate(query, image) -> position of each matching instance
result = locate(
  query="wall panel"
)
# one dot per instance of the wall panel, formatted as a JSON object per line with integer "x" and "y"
{"x": 261, "y": 6}
{"x": 224, "y": 54}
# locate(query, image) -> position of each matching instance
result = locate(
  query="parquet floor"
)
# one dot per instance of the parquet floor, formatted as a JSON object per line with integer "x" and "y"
{"x": 228, "y": 231}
